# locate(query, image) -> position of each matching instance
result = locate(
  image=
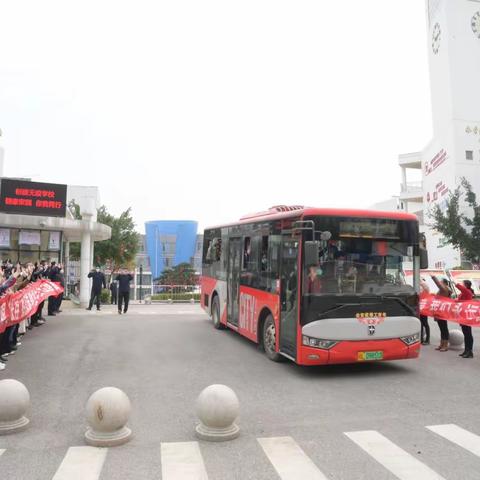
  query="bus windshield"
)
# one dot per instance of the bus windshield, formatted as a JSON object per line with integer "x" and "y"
{"x": 359, "y": 266}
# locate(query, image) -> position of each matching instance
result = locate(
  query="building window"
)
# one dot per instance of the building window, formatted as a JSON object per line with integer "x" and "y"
{"x": 469, "y": 154}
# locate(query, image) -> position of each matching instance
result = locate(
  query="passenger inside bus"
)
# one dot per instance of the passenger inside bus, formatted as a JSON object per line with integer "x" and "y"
{"x": 360, "y": 266}
{"x": 214, "y": 250}
{"x": 313, "y": 282}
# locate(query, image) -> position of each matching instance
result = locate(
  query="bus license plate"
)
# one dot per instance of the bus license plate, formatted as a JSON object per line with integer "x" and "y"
{"x": 365, "y": 356}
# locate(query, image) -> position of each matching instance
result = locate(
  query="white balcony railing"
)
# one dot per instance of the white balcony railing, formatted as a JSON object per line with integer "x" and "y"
{"x": 412, "y": 187}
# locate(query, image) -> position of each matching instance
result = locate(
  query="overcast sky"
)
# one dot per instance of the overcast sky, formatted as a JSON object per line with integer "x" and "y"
{"x": 207, "y": 110}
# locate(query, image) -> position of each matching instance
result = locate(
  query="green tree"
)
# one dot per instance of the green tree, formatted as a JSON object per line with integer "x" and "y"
{"x": 124, "y": 243}
{"x": 460, "y": 229}
{"x": 121, "y": 248}
{"x": 181, "y": 274}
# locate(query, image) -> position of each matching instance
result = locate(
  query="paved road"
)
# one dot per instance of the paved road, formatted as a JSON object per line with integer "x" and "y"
{"x": 366, "y": 421}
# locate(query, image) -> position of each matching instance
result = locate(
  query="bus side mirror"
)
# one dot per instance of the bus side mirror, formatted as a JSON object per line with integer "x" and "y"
{"x": 423, "y": 258}
{"x": 312, "y": 253}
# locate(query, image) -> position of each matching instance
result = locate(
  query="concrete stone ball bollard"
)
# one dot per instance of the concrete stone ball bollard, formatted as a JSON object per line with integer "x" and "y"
{"x": 456, "y": 337}
{"x": 108, "y": 411}
{"x": 14, "y": 402}
{"x": 217, "y": 409}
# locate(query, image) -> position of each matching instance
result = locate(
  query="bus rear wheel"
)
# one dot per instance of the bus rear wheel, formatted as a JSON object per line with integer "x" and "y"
{"x": 216, "y": 314}
{"x": 270, "y": 339}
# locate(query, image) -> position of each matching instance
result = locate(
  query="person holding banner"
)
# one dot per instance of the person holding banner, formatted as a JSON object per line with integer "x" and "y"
{"x": 54, "y": 276}
{"x": 38, "y": 273}
{"x": 443, "y": 291}
{"x": 5, "y": 285}
{"x": 466, "y": 294}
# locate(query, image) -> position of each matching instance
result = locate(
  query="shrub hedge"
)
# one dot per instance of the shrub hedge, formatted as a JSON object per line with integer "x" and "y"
{"x": 176, "y": 296}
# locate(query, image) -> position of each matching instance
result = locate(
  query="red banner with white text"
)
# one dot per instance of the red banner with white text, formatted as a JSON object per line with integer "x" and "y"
{"x": 15, "y": 307}
{"x": 465, "y": 313}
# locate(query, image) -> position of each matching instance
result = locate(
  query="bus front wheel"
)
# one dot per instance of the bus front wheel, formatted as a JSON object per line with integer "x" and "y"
{"x": 270, "y": 339}
{"x": 216, "y": 314}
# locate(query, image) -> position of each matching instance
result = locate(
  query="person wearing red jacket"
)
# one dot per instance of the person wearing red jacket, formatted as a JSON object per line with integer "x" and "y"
{"x": 466, "y": 294}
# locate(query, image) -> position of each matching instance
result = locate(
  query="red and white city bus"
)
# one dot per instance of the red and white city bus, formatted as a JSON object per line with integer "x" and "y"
{"x": 318, "y": 286}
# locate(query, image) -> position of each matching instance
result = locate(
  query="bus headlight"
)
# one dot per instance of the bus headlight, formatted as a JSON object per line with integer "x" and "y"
{"x": 318, "y": 342}
{"x": 411, "y": 339}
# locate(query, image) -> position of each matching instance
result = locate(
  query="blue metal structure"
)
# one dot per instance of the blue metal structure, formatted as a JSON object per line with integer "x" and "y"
{"x": 170, "y": 242}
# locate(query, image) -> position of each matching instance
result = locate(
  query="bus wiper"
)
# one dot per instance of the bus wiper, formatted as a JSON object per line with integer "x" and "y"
{"x": 402, "y": 302}
{"x": 338, "y": 307}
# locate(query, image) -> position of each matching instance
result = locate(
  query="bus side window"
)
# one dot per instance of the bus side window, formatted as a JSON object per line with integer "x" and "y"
{"x": 273, "y": 261}
{"x": 207, "y": 248}
{"x": 264, "y": 255}
{"x": 247, "y": 251}
{"x": 212, "y": 254}
{"x": 214, "y": 250}
{"x": 218, "y": 249}
{"x": 250, "y": 267}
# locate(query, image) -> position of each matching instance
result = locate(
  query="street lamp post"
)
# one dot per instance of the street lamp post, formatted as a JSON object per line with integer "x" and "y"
{"x": 140, "y": 282}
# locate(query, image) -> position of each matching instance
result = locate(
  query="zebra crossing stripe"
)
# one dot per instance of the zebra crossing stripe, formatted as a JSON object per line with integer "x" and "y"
{"x": 182, "y": 461}
{"x": 81, "y": 463}
{"x": 1, "y": 452}
{"x": 465, "y": 439}
{"x": 289, "y": 460}
{"x": 403, "y": 465}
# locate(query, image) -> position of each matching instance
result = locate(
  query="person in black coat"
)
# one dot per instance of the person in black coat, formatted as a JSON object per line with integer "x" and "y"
{"x": 54, "y": 276}
{"x": 123, "y": 278}
{"x": 98, "y": 281}
{"x": 61, "y": 281}
{"x": 38, "y": 274}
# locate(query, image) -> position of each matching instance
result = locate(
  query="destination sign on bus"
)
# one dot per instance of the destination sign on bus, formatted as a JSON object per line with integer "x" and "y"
{"x": 364, "y": 228}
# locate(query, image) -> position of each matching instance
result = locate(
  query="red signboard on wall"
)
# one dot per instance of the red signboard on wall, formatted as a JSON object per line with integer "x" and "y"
{"x": 33, "y": 198}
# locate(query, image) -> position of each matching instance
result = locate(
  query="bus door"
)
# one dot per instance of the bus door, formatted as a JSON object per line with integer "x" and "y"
{"x": 289, "y": 295}
{"x": 233, "y": 280}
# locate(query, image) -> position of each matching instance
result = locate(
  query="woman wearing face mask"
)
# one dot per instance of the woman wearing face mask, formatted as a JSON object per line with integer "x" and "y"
{"x": 466, "y": 294}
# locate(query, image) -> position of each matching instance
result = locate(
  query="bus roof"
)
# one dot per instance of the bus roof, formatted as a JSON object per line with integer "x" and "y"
{"x": 283, "y": 211}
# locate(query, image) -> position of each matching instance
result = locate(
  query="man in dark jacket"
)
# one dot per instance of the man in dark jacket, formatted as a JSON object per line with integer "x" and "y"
{"x": 98, "y": 281}
{"x": 123, "y": 278}
{"x": 54, "y": 276}
{"x": 38, "y": 274}
{"x": 61, "y": 281}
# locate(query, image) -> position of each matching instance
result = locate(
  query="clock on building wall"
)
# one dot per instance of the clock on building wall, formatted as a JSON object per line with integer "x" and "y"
{"x": 476, "y": 24}
{"x": 436, "y": 34}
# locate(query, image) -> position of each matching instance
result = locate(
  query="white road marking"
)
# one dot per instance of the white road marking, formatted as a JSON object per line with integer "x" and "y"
{"x": 81, "y": 463}
{"x": 289, "y": 460}
{"x": 182, "y": 461}
{"x": 393, "y": 458}
{"x": 2, "y": 451}
{"x": 465, "y": 439}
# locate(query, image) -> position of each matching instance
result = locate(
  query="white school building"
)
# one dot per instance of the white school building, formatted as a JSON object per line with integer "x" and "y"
{"x": 454, "y": 151}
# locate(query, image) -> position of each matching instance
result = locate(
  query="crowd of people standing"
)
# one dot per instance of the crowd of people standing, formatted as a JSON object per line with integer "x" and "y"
{"x": 14, "y": 278}
{"x": 445, "y": 290}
